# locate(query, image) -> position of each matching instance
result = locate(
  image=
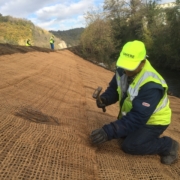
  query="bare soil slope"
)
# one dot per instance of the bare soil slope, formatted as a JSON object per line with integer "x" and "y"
{"x": 47, "y": 113}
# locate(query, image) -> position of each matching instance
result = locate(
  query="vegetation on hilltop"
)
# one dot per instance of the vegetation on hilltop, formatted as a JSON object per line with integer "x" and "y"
{"x": 118, "y": 22}
{"x": 16, "y": 31}
{"x": 71, "y": 37}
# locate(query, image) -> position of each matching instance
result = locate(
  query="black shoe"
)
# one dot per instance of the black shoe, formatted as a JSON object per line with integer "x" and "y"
{"x": 173, "y": 154}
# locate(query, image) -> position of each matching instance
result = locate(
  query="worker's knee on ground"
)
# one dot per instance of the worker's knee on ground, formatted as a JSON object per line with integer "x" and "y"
{"x": 130, "y": 148}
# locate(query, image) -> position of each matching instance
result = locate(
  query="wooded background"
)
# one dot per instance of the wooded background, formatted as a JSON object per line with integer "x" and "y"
{"x": 110, "y": 27}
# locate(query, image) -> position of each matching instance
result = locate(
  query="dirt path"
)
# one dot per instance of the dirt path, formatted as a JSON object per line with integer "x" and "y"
{"x": 47, "y": 113}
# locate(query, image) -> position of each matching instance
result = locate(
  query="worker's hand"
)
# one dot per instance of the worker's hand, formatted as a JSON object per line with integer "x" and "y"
{"x": 101, "y": 103}
{"x": 99, "y": 136}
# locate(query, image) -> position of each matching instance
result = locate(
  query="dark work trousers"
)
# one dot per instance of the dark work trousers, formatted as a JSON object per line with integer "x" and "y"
{"x": 52, "y": 46}
{"x": 146, "y": 140}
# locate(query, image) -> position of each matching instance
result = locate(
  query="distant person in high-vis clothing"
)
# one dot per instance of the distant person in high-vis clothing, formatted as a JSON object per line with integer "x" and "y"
{"x": 144, "y": 107}
{"x": 52, "y": 42}
{"x": 28, "y": 42}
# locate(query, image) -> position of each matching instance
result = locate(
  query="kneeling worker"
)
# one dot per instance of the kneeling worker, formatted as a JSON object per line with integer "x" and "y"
{"x": 28, "y": 42}
{"x": 144, "y": 107}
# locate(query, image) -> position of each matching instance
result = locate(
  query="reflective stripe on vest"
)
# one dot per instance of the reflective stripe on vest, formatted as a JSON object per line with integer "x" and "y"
{"x": 122, "y": 84}
{"x": 164, "y": 103}
{"x": 134, "y": 91}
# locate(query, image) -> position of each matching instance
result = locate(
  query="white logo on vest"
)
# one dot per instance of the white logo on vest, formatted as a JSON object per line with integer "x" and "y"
{"x": 146, "y": 104}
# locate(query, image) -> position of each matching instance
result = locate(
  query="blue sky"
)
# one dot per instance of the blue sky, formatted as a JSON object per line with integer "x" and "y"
{"x": 51, "y": 14}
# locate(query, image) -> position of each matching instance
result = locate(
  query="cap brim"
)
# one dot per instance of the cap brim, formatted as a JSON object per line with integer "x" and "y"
{"x": 127, "y": 64}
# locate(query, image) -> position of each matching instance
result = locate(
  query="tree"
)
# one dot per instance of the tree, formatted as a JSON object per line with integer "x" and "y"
{"x": 126, "y": 21}
{"x": 173, "y": 24}
{"x": 96, "y": 39}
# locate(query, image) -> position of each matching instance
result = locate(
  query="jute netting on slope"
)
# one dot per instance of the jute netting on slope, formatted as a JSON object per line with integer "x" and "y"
{"x": 47, "y": 113}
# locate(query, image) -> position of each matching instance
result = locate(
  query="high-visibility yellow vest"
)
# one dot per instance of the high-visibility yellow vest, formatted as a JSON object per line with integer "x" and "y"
{"x": 51, "y": 40}
{"x": 162, "y": 113}
{"x": 28, "y": 44}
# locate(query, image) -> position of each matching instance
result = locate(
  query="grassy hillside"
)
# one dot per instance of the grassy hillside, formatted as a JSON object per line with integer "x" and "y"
{"x": 16, "y": 31}
{"x": 71, "y": 37}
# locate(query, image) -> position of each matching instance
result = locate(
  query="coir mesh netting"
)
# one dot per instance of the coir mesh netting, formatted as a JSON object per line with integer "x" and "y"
{"x": 47, "y": 114}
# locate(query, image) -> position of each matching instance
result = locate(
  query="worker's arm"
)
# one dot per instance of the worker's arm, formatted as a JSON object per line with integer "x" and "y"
{"x": 139, "y": 114}
{"x": 111, "y": 95}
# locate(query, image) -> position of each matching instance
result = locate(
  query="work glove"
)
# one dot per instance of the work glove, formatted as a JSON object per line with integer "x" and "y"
{"x": 98, "y": 136}
{"x": 101, "y": 102}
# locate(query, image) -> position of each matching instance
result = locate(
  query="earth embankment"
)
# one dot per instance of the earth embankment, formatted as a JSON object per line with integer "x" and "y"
{"x": 47, "y": 114}
{"x": 11, "y": 49}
